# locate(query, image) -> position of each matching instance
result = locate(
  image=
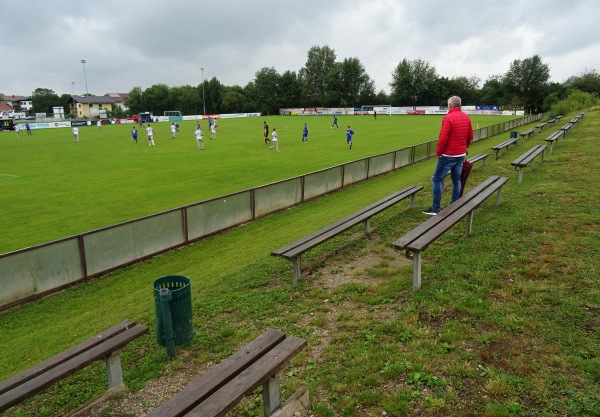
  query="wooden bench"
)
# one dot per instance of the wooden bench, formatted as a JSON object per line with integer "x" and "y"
{"x": 294, "y": 250}
{"x": 527, "y": 158}
{"x": 565, "y": 128}
{"x": 527, "y": 133}
{"x": 505, "y": 144}
{"x": 220, "y": 389}
{"x": 419, "y": 239}
{"x": 478, "y": 157}
{"x": 541, "y": 126}
{"x": 105, "y": 346}
{"x": 554, "y": 137}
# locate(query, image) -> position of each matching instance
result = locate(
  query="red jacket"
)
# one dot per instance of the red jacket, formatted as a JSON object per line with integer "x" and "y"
{"x": 456, "y": 133}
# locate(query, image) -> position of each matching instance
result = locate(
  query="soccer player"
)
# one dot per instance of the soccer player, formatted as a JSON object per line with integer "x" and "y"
{"x": 76, "y": 133}
{"x": 199, "y": 138}
{"x": 28, "y": 128}
{"x": 305, "y": 133}
{"x": 213, "y": 132}
{"x": 266, "y": 132}
{"x": 275, "y": 141}
{"x": 334, "y": 122}
{"x": 173, "y": 130}
{"x": 17, "y": 129}
{"x": 134, "y": 134}
{"x": 99, "y": 124}
{"x": 349, "y": 133}
{"x": 150, "y": 134}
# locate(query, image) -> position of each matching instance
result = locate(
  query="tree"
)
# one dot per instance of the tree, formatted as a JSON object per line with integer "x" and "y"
{"x": 315, "y": 76}
{"x": 156, "y": 99}
{"x": 266, "y": 93}
{"x": 134, "y": 101}
{"x": 43, "y": 99}
{"x": 353, "y": 84}
{"x": 186, "y": 99}
{"x": 588, "y": 81}
{"x": 467, "y": 88}
{"x": 493, "y": 92}
{"x": 234, "y": 99}
{"x": 527, "y": 81}
{"x": 213, "y": 95}
{"x": 412, "y": 81}
{"x": 290, "y": 90}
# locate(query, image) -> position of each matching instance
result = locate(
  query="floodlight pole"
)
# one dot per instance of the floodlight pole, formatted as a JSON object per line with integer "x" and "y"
{"x": 203, "y": 100}
{"x": 73, "y": 84}
{"x": 83, "y": 62}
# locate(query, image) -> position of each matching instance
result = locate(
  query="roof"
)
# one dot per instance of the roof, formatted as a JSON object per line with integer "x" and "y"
{"x": 93, "y": 99}
{"x": 117, "y": 97}
{"x": 5, "y": 106}
{"x": 14, "y": 98}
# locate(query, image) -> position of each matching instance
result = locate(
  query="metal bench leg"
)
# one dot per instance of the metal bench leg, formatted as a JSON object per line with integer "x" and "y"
{"x": 543, "y": 155}
{"x": 498, "y": 195}
{"x": 296, "y": 268}
{"x": 412, "y": 201}
{"x": 113, "y": 369}
{"x": 367, "y": 224}
{"x": 416, "y": 270}
{"x": 470, "y": 222}
{"x": 271, "y": 395}
{"x": 531, "y": 167}
{"x": 520, "y": 173}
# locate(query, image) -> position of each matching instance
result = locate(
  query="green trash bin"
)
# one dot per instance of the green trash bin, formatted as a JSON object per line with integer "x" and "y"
{"x": 514, "y": 135}
{"x": 180, "y": 306}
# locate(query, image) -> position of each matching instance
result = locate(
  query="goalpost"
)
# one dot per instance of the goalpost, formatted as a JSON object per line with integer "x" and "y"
{"x": 172, "y": 113}
{"x": 385, "y": 109}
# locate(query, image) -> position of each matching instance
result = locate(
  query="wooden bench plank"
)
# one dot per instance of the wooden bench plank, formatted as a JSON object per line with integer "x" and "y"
{"x": 527, "y": 133}
{"x": 528, "y": 158}
{"x": 506, "y": 144}
{"x": 418, "y": 239}
{"x": 248, "y": 380}
{"x": 478, "y": 157}
{"x": 300, "y": 245}
{"x": 294, "y": 250}
{"x": 70, "y": 366}
{"x": 418, "y": 231}
{"x": 64, "y": 356}
{"x": 217, "y": 377}
{"x": 455, "y": 216}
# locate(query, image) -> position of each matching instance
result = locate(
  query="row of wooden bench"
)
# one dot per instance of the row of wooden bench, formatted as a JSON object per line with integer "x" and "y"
{"x": 421, "y": 237}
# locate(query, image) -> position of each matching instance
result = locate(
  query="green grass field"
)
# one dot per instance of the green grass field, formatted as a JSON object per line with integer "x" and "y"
{"x": 506, "y": 324}
{"x": 52, "y": 187}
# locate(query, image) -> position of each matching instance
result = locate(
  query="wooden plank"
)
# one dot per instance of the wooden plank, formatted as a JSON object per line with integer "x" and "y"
{"x": 66, "y": 368}
{"x": 431, "y": 235}
{"x": 432, "y": 222}
{"x": 217, "y": 377}
{"x": 251, "y": 378}
{"x": 64, "y": 356}
{"x": 308, "y": 242}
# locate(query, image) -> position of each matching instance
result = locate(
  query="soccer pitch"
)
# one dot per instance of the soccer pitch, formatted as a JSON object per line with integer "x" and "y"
{"x": 52, "y": 187}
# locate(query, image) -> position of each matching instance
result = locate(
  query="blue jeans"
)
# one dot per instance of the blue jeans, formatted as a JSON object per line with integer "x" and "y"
{"x": 445, "y": 164}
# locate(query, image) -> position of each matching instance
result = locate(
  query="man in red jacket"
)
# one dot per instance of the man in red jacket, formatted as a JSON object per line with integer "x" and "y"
{"x": 455, "y": 136}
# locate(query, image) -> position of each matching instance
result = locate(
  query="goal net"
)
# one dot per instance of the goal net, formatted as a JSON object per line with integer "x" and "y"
{"x": 172, "y": 113}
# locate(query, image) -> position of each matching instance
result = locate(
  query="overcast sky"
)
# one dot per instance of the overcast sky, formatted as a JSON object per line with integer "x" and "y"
{"x": 142, "y": 43}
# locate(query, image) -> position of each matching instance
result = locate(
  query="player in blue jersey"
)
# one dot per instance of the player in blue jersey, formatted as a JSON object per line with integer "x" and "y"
{"x": 134, "y": 134}
{"x": 305, "y": 133}
{"x": 334, "y": 122}
{"x": 349, "y": 133}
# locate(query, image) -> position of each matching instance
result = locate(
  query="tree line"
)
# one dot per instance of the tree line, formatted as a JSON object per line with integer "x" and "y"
{"x": 325, "y": 81}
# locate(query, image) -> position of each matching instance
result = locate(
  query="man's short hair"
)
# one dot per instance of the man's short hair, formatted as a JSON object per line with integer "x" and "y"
{"x": 454, "y": 101}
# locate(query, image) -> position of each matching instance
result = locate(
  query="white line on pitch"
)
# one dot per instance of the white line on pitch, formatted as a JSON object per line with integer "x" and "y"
{"x": 9, "y": 175}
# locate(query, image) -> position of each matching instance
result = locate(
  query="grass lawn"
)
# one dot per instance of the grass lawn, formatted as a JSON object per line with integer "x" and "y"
{"x": 506, "y": 323}
{"x": 52, "y": 187}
